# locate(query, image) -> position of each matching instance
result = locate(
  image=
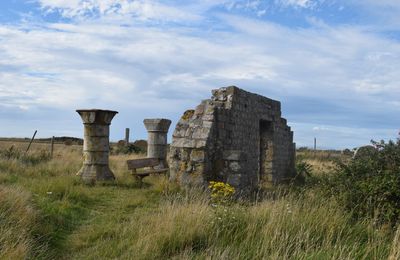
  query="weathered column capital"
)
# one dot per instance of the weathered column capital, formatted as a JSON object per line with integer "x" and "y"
{"x": 157, "y": 125}
{"x": 96, "y": 116}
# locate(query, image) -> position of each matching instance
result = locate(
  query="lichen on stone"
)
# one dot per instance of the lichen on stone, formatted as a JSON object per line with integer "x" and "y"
{"x": 188, "y": 114}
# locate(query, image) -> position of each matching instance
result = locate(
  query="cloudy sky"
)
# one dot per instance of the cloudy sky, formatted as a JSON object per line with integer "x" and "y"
{"x": 334, "y": 64}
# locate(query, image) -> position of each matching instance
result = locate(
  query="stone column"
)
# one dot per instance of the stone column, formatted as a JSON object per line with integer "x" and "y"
{"x": 157, "y": 130}
{"x": 126, "y": 136}
{"x": 96, "y": 145}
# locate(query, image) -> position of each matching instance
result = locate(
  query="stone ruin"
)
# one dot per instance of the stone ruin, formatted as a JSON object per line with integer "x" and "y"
{"x": 236, "y": 137}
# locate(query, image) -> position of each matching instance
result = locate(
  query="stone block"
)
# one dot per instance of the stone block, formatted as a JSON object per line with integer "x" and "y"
{"x": 96, "y": 143}
{"x": 207, "y": 124}
{"x": 200, "y": 133}
{"x": 189, "y": 143}
{"x": 90, "y": 131}
{"x": 200, "y": 143}
{"x": 197, "y": 155}
{"x": 178, "y": 142}
{"x": 179, "y": 132}
{"x": 208, "y": 117}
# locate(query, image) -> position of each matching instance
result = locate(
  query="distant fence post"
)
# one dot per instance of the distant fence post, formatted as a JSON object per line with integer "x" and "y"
{"x": 52, "y": 147}
{"x": 315, "y": 146}
{"x": 126, "y": 136}
{"x": 33, "y": 137}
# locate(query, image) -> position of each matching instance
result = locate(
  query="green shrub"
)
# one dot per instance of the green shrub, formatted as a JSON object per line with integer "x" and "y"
{"x": 303, "y": 170}
{"x": 36, "y": 158}
{"x": 25, "y": 158}
{"x": 369, "y": 186}
{"x": 10, "y": 153}
{"x": 123, "y": 149}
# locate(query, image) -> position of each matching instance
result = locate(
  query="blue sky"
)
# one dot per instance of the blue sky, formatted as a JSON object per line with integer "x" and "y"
{"x": 334, "y": 65}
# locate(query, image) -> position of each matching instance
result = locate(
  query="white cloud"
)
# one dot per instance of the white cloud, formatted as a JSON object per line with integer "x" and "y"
{"x": 320, "y": 128}
{"x": 301, "y": 62}
{"x": 140, "y": 9}
{"x": 298, "y": 3}
{"x": 156, "y": 10}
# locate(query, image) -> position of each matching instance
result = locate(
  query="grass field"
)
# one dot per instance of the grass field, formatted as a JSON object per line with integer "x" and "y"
{"x": 47, "y": 213}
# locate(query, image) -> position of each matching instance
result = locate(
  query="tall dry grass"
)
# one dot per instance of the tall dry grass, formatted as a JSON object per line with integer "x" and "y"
{"x": 17, "y": 221}
{"x": 182, "y": 227}
{"x": 47, "y": 213}
{"x": 395, "y": 250}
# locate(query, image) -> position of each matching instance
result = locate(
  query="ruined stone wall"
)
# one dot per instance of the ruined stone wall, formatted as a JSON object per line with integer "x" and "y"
{"x": 236, "y": 137}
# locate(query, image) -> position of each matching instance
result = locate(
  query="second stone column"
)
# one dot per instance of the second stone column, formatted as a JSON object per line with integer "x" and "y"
{"x": 157, "y": 130}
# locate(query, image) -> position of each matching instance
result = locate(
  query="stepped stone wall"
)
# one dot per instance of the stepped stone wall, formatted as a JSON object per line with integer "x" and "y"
{"x": 235, "y": 137}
